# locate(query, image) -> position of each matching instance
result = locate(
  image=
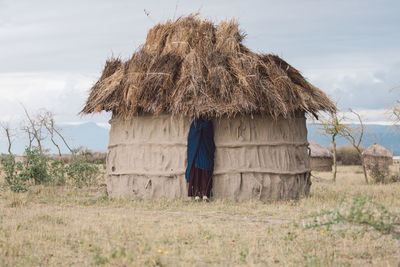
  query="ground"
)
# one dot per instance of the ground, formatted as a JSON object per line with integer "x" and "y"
{"x": 67, "y": 226}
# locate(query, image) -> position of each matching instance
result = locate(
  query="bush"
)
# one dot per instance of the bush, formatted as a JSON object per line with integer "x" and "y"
{"x": 347, "y": 155}
{"x": 17, "y": 188}
{"x": 34, "y": 167}
{"x": 360, "y": 210}
{"x": 90, "y": 156}
{"x": 57, "y": 172}
{"x": 8, "y": 167}
{"x": 82, "y": 173}
{"x": 394, "y": 178}
{"x": 11, "y": 173}
{"x": 38, "y": 168}
{"x": 379, "y": 173}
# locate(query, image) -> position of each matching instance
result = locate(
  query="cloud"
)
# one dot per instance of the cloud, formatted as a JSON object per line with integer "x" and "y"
{"x": 369, "y": 116}
{"x": 81, "y": 38}
{"x": 359, "y": 88}
{"x": 52, "y": 51}
{"x": 62, "y": 93}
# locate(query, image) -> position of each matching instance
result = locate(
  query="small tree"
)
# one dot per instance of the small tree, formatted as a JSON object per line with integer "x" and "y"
{"x": 8, "y": 132}
{"x": 34, "y": 128}
{"x": 35, "y": 167}
{"x": 331, "y": 127}
{"x": 26, "y": 129}
{"x": 47, "y": 119}
{"x": 355, "y": 136}
{"x": 58, "y": 132}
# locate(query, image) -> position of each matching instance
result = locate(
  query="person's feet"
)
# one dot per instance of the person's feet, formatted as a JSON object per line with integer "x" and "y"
{"x": 205, "y": 199}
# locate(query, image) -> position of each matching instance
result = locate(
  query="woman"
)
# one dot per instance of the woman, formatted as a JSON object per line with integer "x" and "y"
{"x": 200, "y": 155}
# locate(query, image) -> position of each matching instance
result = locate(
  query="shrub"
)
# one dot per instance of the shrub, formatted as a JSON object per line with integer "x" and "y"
{"x": 90, "y": 156}
{"x": 40, "y": 169}
{"x": 34, "y": 167}
{"x": 11, "y": 174}
{"x": 379, "y": 173}
{"x": 394, "y": 178}
{"x": 17, "y": 188}
{"x": 360, "y": 210}
{"x": 8, "y": 167}
{"x": 347, "y": 155}
{"x": 58, "y": 172}
{"x": 82, "y": 173}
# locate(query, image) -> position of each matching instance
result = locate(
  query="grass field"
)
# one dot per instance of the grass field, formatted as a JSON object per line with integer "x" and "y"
{"x": 67, "y": 226}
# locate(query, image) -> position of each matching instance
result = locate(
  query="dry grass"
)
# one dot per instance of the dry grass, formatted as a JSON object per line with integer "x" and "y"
{"x": 192, "y": 67}
{"x": 65, "y": 226}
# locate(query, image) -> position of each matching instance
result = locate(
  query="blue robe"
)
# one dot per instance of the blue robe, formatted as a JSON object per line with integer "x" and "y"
{"x": 201, "y": 147}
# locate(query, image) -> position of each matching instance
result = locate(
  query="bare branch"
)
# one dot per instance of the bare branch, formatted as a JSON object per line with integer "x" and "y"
{"x": 58, "y": 132}
{"x": 46, "y": 118}
{"x": 34, "y": 128}
{"x": 355, "y": 136}
{"x": 27, "y": 130}
{"x": 9, "y": 134}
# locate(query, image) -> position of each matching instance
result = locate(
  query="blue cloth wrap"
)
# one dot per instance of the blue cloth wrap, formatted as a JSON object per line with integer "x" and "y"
{"x": 201, "y": 146}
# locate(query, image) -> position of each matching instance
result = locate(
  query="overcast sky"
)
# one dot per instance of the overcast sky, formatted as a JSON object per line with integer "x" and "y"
{"x": 51, "y": 52}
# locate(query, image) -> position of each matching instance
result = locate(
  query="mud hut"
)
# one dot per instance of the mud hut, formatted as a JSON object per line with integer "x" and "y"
{"x": 377, "y": 157}
{"x": 191, "y": 67}
{"x": 321, "y": 158}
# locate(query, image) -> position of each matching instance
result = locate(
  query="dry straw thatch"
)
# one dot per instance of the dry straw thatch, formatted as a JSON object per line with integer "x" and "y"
{"x": 318, "y": 151}
{"x": 377, "y": 155}
{"x": 193, "y": 67}
{"x": 377, "y": 150}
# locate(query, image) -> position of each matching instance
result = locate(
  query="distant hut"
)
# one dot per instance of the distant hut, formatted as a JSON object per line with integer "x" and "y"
{"x": 321, "y": 158}
{"x": 189, "y": 68}
{"x": 377, "y": 156}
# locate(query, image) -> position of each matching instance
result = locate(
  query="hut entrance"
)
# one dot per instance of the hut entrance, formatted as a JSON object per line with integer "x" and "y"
{"x": 200, "y": 158}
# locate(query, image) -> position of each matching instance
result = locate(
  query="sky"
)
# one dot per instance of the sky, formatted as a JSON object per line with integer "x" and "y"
{"x": 52, "y": 52}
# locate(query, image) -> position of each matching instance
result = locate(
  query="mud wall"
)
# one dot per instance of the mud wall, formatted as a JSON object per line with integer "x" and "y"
{"x": 321, "y": 164}
{"x": 256, "y": 158}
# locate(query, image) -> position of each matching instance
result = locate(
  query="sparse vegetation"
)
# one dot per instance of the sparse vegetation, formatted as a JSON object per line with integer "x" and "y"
{"x": 347, "y": 155}
{"x": 57, "y": 172}
{"x": 355, "y": 136}
{"x": 81, "y": 173}
{"x": 8, "y": 168}
{"x": 379, "y": 173}
{"x": 331, "y": 128}
{"x": 34, "y": 168}
{"x": 359, "y": 210}
{"x": 38, "y": 168}
{"x": 67, "y": 225}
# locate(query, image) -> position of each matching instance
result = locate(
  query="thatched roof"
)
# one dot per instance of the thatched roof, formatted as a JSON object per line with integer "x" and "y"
{"x": 318, "y": 151}
{"x": 377, "y": 151}
{"x": 193, "y": 67}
